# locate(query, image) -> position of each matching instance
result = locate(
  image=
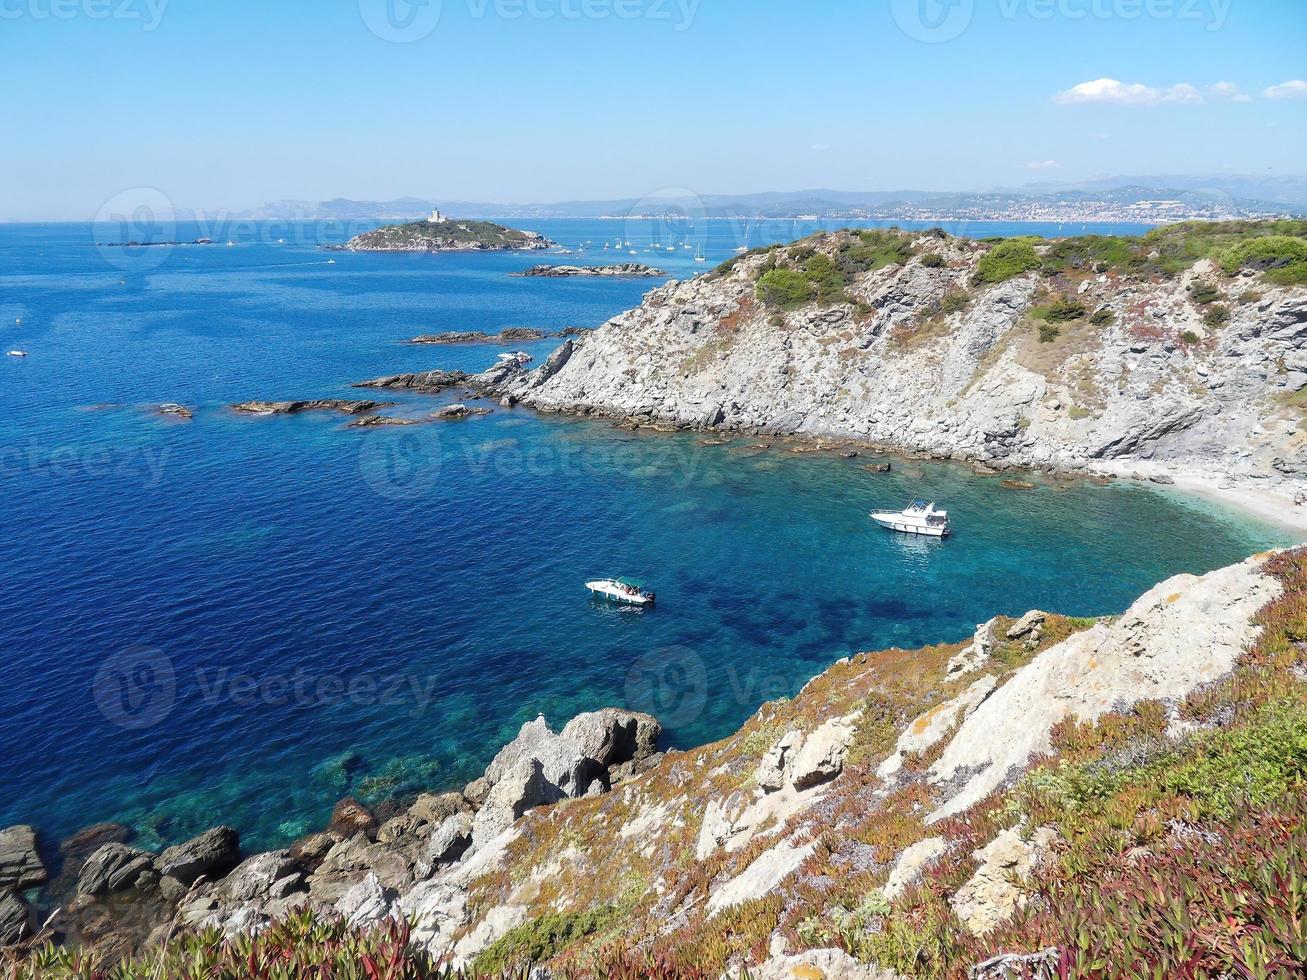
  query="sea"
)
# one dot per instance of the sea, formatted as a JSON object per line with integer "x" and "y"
{"x": 241, "y": 620}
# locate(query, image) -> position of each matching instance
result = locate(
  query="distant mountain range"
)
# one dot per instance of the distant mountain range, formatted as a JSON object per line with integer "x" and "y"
{"x": 1143, "y": 198}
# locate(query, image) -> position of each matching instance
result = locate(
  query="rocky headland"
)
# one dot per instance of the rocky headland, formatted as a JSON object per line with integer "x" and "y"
{"x": 1110, "y": 356}
{"x": 345, "y": 405}
{"x": 512, "y": 335}
{"x": 623, "y": 270}
{"x": 987, "y": 808}
{"x": 446, "y": 235}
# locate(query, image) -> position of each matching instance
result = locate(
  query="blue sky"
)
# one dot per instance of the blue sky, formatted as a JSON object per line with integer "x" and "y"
{"x": 228, "y": 104}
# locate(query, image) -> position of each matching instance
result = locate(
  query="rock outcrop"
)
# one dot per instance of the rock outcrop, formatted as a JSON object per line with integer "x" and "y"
{"x": 348, "y": 406}
{"x": 622, "y": 270}
{"x": 898, "y": 367}
{"x": 20, "y": 861}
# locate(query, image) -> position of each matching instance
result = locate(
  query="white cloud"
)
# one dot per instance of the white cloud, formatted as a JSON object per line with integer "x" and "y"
{"x": 1112, "y": 92}
{"x": 821, "y": 147}
{"x": 1228, "y": 90}
{"x": 1042, "y": 164}
{"x": 1294, "y": 89}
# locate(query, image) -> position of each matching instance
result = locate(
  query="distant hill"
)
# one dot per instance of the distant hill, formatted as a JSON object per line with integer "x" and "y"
{"x": 1145, "y": 198}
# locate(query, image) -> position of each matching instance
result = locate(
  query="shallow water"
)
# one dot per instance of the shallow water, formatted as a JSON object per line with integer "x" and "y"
{"x": 244, "y": 619}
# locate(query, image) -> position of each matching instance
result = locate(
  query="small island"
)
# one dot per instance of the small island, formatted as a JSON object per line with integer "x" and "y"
{"x": 629, "y": 270}
{"x": 441, "y": 234}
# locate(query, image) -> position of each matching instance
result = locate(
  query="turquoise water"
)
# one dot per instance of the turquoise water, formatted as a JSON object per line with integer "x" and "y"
{"x": 244, "y": 619}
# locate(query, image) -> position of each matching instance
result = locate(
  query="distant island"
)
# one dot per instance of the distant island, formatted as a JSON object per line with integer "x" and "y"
{"x": 630, "y": 270}
{"x": 441, "y": 234}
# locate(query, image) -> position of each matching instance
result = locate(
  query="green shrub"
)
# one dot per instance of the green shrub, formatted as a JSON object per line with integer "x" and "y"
{"x": 1189, "y": 337}
{"x": 954, "y": 301}
{"x": 1216, "y": 315}
{"x": 826, "y": 279}
{"x": 933, "y": 260}
{"x": 785, "y": 288}
{"x": 1008, "y": 258}
{"x": 1203, "y": 293}
{"x": 1048, "y": 333}
{"x": 1281, "y": 258}
{"x": 538, "y": 940}
{"x": 1063, "y": 309}
{"x": 1102, "y": 317}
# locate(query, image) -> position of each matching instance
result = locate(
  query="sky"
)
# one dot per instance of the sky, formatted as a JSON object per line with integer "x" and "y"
{"x": 225, "y": 105}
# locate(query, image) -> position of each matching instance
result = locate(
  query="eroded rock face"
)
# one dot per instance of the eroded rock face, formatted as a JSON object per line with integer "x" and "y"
{"x": 212, "y": 854}
{"x": 819, "y": 964}
{"x": 707, "y": 354}
{"x": 926, "y": 731}
{"x": 1184, "y": 632}
{"x": 910, "y": 863}
{"x": 115, "y": 868}
{"x": 994, "y": 892}
{"x": 612, "y": 736}
{"x": 20, "y": 861}
{"x": 15, "y": 918}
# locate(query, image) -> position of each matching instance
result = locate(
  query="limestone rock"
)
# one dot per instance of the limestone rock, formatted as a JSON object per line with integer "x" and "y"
{"x": 1182, "y": 633}
{"x": 819, "y": 964}
{"x": 926, "y": 731}
{"x": 270, "y": 875}
{"x": 774, "y": 768}
{"x": 767, "y": 871}
{"x": 994, "y": 892}
{"x": 821, "y": 757}
{"x": 976, "y": 654}
{"x": 613, "y": 736}
{"x": 212, "y": 854}
{"x": 20, "y": 861}
{"x": 908, "y": 867}
{"x": 447, "y": 842}
{"x": 1027, "y": 624}
{"x": 364, "y": 904}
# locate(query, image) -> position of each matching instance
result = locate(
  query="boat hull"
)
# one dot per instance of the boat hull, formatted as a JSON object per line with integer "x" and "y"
{"x": 905, "y": 528}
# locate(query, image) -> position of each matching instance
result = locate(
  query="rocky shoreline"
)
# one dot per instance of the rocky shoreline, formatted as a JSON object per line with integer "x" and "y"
{"x": 445, "y": 235}
{"x": 873, "y": 779}
{"x": 623, "y": 270}
{"x": 122, "y": 898}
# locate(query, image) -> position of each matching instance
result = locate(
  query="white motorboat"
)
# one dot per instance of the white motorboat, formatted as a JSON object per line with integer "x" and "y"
{"x": 623, "y": 591}
{"x": 18, "y": 353}
{"x": 919, "y": 517}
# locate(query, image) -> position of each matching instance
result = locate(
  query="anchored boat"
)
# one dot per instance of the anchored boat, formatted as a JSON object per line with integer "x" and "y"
{"x": 919, "y": 517}
{"x": 623, "y": 591}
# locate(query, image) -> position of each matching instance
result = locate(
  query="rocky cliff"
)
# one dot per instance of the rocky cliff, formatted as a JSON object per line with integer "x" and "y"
{"x": 970, "y": 350}
{"x": 1010, "y": 805}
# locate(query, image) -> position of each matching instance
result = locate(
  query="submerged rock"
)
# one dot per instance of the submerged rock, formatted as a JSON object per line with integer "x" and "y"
{"x": 348, "y": 406}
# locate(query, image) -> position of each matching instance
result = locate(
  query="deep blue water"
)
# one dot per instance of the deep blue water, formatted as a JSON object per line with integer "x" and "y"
{"x": 244, "y": 619}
